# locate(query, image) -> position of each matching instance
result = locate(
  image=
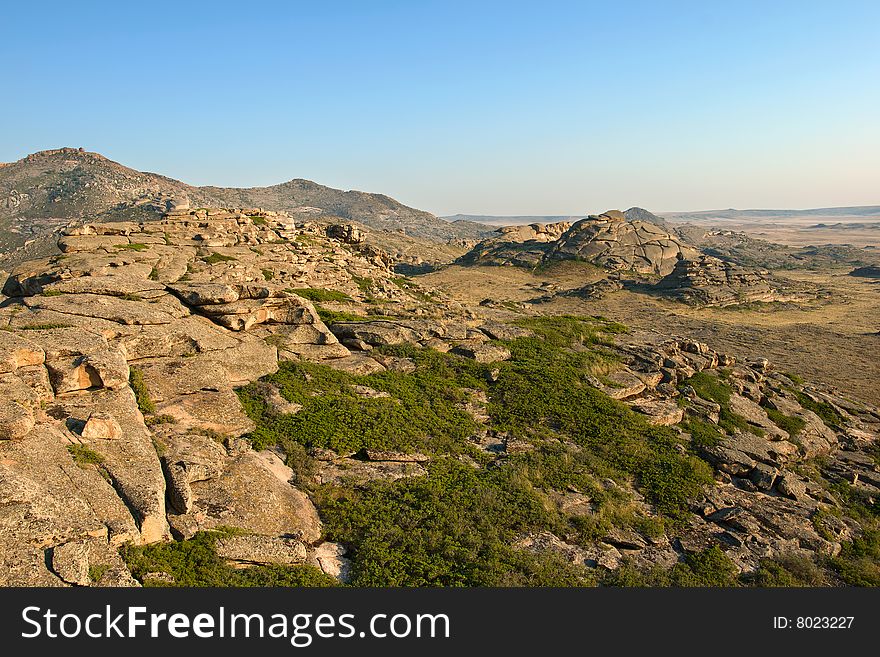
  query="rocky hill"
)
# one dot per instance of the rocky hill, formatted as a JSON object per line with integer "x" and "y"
{"x": 708, "y": 281}
{"x": 44, "y": 190}
{"x": 610, "y": 240}
{"x": 240, "y": 397}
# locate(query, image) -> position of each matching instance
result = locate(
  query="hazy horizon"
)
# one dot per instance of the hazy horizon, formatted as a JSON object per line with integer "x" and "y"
{"x": 515, "y": 109}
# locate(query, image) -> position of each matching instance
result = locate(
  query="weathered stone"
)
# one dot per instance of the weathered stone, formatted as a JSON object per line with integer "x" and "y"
{"x": 261, "y": 550}
{"x": 330, "y": 558}
{"x": 402, "y": 457}
{"x": 101, "y": 426}
{"x": 483, "y": 353}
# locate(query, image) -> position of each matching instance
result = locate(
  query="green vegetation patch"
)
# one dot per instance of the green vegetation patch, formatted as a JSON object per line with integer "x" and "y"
{"x": 153, "y": 420}
{"x": 457, "y": 525}
{"x": 713, "y": 388}
{"x": 83, "y": 455}
{"x": 703, "y": 434}
{"x": 194, "y": 562}
{"x": 568, "y": 330}
{"x": 454, "y": 527}
{"x": 790, "y": 570}
{"x": 824, "y": 410}
{"x": 710, "y": 567}
{"x": 96, "y": 572}
{"x": 134, "y": 246}
{"x": 363, "y": 283}
{"x": 215, "y": 257}
{"x": 141, "y": 393}
{"x": 422, "y": 413}
{"x": 789, "y": 423}
{"x": 319, "y": 295}
{"x": 858, "y": 563}
{"x": 332, "y": 316}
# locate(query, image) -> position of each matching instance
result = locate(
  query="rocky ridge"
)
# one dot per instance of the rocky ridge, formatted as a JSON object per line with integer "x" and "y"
{"x": 118, "y": 363}
{"x": 609, "y": 240}
{"x": 709, "y": 281}
{"x": 42, "y": 191}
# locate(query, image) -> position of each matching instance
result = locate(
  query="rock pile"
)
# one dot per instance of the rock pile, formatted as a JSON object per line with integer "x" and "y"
{"x": 708, "y": 281}
{"x": 609, "y": 240}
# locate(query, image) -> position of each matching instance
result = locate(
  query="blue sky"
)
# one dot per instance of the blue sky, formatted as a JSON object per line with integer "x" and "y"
{"x": 475, "y": 107}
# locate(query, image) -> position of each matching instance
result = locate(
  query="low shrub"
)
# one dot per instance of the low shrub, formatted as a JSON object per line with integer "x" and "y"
{"x": 194, "y": 562}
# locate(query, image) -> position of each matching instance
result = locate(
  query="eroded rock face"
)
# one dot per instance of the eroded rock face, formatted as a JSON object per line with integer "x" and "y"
{"x": 609, "y": 240}
{"x": 708, "y": 281}
{"x": 613, "y": 242}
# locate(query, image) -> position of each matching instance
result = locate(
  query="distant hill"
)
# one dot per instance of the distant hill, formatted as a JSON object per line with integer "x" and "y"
{"x": 633, "y": 214}
{"x": 46, "y": 189}
{"x": 732, "y": 214}
{"x": 512, "y": 220}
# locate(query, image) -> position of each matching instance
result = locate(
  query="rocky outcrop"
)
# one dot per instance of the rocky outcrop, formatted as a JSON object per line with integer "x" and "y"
{"x": 40, "y": 192}
{"x": 610, "y": 240}
{"x": 708, "y": 281}
{"x": 118, "y": 365}
{"x": 866, "y": 272}
{"x": 615, "y": 243}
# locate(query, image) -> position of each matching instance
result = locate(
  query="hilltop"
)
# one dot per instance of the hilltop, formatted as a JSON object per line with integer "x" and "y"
{"x": 42, "y": 191}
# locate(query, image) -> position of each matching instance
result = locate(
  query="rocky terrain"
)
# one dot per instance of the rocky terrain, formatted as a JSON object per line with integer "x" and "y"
{"x": 610, "y": 240}
{"x": 631, "y": 250}
{"x": 265, "y": 394}
{"x": 709, "y": 281}
{"x": 42, "y": 191}
{"x": 747, "y": 251}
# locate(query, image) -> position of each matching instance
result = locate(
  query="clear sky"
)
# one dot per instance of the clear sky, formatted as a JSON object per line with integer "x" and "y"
{"x": 474, "y": 107}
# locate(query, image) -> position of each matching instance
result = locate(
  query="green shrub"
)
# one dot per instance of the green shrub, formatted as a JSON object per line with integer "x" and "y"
{"x": 858, "y": 563}
{"x": 791, "y": 424}
{"x": 712, "y": 388}
{"x": 141, "y": 393}
{"x": 823, "y": 409}
{"x": 268, "y": 274}
{"x": 543, "y": 392}
{"x": 319, "y": 295}
{"x": 703, "y": 434}
{"x": 83, "y": 455}
{"x": 452, "y": 528}
{"x": 707, "y": 568}
{"x": 710, "y": 567}
{"x": 215, "y": 257}
{"x": 96, "y": 572}
{"x": 567, "y": 330}
{"x": 790, "y": 570}
{"x": 421, "y": 414}
{"x": 153, "y": 420}
{"x": 364, "y": 284}
{"x": 194, "y": 562}
{"x": 134, "y": 246}
{"x": 331, "y": 316}
{"x": 456, "y": 526}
